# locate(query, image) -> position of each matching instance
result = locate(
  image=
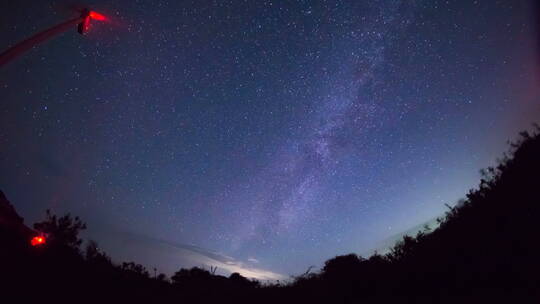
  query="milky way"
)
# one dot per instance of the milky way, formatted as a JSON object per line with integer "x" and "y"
{"x": 274, "y": 135}
{"x": 292, "y": 187}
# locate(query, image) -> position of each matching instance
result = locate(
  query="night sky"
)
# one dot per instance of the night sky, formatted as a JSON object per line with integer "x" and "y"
{"x": 260, "y": 136}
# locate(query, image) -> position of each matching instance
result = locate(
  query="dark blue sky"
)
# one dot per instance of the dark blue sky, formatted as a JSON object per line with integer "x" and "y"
{"x": 260, "y": 136}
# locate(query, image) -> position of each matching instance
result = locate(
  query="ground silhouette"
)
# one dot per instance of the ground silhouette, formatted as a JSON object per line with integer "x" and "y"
{"x": 485, "y": 249}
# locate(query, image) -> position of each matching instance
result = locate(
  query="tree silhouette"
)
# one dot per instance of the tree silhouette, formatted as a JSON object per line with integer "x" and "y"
{"x": 62, "y": 230}
{"x": 135, "y": 269}
{"x": 195, "y": 273}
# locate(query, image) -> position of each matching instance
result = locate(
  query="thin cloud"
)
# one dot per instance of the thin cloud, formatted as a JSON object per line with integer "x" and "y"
{"x": 173, "y": 255}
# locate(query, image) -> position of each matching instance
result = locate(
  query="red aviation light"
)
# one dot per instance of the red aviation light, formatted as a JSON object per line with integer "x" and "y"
{"x": 38, "y": 240}
{"x": 97, "y": 16}
{"x": 87, "y": 16}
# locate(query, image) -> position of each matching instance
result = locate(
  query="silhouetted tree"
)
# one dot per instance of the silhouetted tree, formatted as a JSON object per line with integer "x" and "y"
{"x": 194, "y": 273}
{"x": 162, "y": 277}
{"x": 242, "y": 282}
{"x": 62, "y": 230}
{"x": 95, "y": 256}
{"x": 341, "y": 265}
{"x": 135, "y": 269}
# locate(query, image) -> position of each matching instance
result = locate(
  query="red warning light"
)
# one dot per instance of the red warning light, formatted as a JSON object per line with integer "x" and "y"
{"x": 97, "y": 16}
{"x": 37, "y": 240}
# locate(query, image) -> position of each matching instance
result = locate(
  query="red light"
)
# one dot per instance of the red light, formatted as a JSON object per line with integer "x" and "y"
{"x": 97, "y": 16}
{"x": 86, "y": 24}
{"x": 37, "y": 240}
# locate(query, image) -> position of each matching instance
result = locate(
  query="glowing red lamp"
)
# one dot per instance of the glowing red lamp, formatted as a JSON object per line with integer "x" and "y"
{"x": 37, "y": 241}
{"x": 86, "y": 16}
{"x": 97, "y": 16}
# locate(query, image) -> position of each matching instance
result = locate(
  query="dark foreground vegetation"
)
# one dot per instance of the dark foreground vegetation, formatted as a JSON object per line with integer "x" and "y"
{"x": 485, "y": 250}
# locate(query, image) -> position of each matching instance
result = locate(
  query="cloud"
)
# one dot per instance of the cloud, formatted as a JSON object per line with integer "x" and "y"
{"x": 253, "y": 260}
{"x": 229, "y": 264}
{"x": 169, "y": 256}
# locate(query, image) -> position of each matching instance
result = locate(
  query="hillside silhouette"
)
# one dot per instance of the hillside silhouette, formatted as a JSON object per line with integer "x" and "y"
{"x": 485, "y": 250}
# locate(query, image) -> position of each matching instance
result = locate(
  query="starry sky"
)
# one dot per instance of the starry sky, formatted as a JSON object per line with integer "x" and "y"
{"x": 260, "y": 136}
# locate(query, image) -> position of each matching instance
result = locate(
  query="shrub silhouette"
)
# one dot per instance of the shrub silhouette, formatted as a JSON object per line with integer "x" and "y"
{"x": 190, "y": 275}
{"x": 134, "y": 269}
